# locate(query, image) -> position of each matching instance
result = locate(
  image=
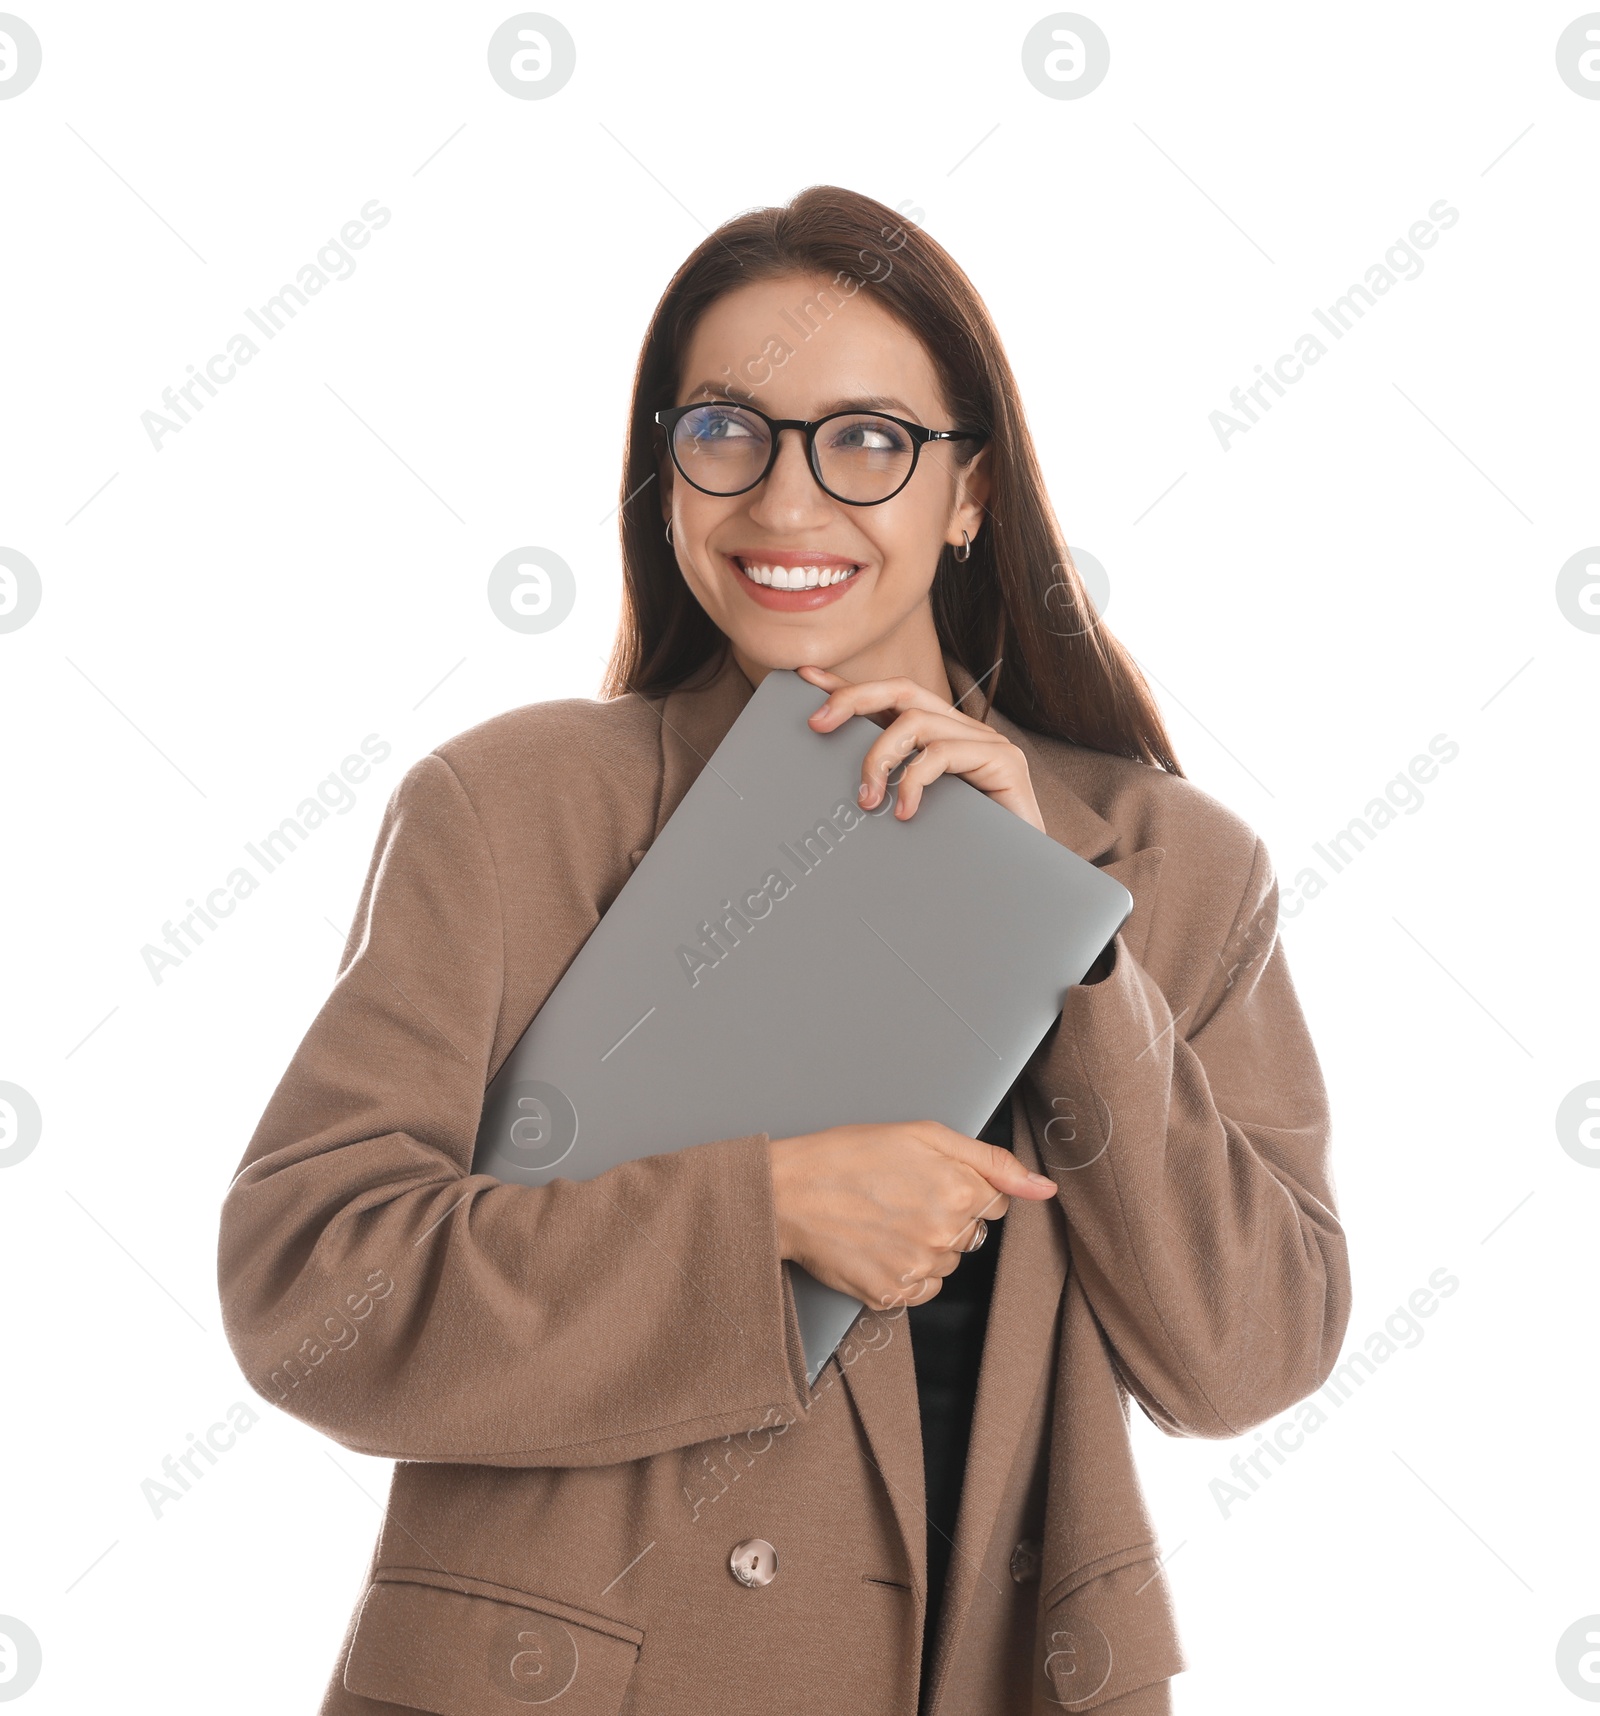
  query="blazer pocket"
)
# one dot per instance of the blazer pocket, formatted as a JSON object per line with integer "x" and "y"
{"x": 1108, "y": 1636}
{"x": 462, "y": 1647}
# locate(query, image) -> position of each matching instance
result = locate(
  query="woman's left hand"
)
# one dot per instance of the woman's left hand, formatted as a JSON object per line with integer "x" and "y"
{"x": 949, "y": 743}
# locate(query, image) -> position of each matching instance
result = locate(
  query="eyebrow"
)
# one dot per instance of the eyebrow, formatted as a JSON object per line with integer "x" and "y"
{"x": 857, "y": 402}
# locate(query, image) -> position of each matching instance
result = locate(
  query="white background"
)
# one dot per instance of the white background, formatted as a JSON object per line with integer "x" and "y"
{"x": 223, "y": 620}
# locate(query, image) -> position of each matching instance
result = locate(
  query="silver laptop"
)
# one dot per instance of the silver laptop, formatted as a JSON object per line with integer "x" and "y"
{"x": 781, "y": 961}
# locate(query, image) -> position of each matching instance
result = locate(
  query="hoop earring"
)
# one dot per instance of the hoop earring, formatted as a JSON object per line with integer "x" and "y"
{"x": 669, "y": 533}
{"x": 964, "y": 552}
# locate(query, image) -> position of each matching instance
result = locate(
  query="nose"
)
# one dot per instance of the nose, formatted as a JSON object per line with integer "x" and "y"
{"x": 789, "y": 496}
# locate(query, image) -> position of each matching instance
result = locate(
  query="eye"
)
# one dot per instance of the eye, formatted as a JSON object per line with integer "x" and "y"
{"x": 720, "y": 423}
{"x": 867, "y": 435}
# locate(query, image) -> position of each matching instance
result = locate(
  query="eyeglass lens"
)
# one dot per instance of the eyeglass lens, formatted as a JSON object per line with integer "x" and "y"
{"x": 724, "y": 449}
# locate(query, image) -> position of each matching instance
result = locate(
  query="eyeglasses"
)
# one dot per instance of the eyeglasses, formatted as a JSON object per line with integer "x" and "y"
{"x": 862, "y": 458}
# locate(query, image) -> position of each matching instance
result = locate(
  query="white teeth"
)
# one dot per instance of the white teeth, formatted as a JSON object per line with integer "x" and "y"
{"x": 798, "y": 577}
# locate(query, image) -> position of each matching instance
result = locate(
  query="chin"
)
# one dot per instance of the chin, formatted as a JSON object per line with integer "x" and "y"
{"x": 795, "y": 646}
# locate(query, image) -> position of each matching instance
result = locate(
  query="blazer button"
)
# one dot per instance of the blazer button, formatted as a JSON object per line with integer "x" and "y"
{"x": 754, "y": 1562}
{"x": 1025, "y": 1560}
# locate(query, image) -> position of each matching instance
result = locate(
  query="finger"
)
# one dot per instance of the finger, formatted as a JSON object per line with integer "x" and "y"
{"x": 825, "y": 677}
{"x": 874, "y": 696}
{"x": 994, "y": 768}
{"x": 944, "y": 1261}
{"x": 963, "y": 1242}
{"x": 999, "y": 1167}
{"x": 919, "y": 729}
{"x": 912, "y": 1290}
{"x": 957, "y": 1243}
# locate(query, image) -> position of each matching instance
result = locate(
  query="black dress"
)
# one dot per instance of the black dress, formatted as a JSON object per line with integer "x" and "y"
{"x": 947, "y": 1347}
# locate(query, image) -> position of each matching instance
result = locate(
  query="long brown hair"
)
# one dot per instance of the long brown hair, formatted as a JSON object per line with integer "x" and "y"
{"x": 1018, "y": 600}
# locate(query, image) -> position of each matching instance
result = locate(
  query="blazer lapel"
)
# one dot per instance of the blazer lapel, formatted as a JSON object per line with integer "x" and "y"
{"x": 1017, "y": 1349}
{"x": 882, "y": 1380}
{"x": 1034, "y": 1259}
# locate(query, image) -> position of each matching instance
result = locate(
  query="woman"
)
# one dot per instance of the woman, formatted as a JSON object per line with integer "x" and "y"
{"x": 614, "y": 1489}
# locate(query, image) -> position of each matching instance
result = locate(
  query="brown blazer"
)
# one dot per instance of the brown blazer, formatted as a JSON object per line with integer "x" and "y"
{"x": 594, "y": 1391}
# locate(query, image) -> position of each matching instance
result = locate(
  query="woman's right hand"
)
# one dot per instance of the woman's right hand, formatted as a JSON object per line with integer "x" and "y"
{"x": 884, "y": 1212}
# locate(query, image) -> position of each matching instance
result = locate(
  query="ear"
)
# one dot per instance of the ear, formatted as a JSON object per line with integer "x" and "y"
{"x": 972, "y": 496}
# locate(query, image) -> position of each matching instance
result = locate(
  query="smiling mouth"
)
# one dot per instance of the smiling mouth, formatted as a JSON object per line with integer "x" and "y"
{"x": 777, "y": 574}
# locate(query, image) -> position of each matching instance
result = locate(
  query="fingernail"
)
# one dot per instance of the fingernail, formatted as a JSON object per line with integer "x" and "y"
{"x": 1040, "y": 1181}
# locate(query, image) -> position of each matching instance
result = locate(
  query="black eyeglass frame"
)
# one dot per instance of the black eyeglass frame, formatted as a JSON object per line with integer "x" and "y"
{"x": 670, "y": 416}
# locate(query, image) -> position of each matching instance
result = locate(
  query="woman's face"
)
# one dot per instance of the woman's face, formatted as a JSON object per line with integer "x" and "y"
{"x": 866, "y": 612}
